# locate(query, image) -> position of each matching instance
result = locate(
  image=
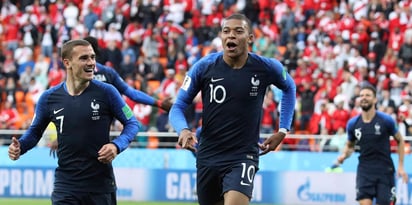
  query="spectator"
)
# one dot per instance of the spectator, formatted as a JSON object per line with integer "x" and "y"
{"x": 99, "y": 33}
{"x": 307, "y": 94}
{"x": 56, "y": 73}
{"x": 8, "y": 116}
{"x": 11, "y": 29}
{"x": 127, "y": 50}
{"x": 348, "y": 84}
{"x": 202, "y": 32}
{"x": 35, "y": 89}
{"x": 40, "y": 70}
{"x": 25, "y": 78}
{"x": 108, "y": 12}
{"x": 389, "y": 62}
{"x": 90, "y": 17}
{"x": 114, "y": 55}
{"x": 168, "y": 87}
{"x": 133, "y": 33}
{"x": 150, "y": 45}
{"x": 71, "y": 13}
{"x": 23, "y": 55}
{"x": 340, "y": 115}
{"x": 48, "y": 38}
{"x": 321, "y": 120}
{"x": 10, "y": 90}
{"x": 156, "y": 70}
{"x": 405, "y": 53}
{"x": 377, "y": 47}
{"x": 113, "y": 34}
{"x": 127, "y": 67}
{"x": 9, "y": 68}
{"x": 337, "y": 141}
{"x": 269, "y": 114}
{"x": 386, "y": 101}
{"x": 120, "y": 17}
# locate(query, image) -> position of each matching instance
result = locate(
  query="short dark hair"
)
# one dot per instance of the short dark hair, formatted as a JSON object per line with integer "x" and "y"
{"x": 242, "y": 17}
{"x": 67, "y": 47}
{"x": 368, "y": 86}
{"x": 93, "y": 41}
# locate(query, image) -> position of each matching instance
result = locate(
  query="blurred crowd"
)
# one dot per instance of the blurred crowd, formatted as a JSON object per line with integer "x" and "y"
{"x": 330, "y": 47}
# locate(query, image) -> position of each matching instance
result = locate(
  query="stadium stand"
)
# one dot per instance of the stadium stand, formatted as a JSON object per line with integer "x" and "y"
{"x": 329, "y": 47}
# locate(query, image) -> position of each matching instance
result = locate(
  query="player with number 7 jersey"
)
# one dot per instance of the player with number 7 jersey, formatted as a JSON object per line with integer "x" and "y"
{"x": 82, "y": 109}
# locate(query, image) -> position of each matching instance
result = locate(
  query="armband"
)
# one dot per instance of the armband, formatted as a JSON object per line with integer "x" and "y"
{"x": 283, "y": 130}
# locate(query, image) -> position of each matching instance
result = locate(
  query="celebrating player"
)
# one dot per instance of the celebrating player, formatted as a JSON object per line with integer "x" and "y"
{"x": 109, "y": 75}
{"x": 233, "y": 84}
{"x": 82, "y": 109}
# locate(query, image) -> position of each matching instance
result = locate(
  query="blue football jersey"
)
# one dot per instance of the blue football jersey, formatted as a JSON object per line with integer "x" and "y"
{"x": 83, "y": 126}
{"x": 373, "y": 139}
{"x": 232, "y": 102}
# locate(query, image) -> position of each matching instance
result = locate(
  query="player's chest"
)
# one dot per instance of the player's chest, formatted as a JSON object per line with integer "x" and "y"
{"x": 233, "y": 82}
{"x": 374, "y": 131}
{"x": 87, "y": 107}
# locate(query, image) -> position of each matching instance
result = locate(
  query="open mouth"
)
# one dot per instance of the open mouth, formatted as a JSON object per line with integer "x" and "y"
{"x": 231, "y": 45}
{"x": 89, "y": 70}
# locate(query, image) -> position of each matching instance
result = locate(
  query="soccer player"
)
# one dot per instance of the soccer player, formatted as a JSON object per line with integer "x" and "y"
{"x": 371, "y": 131}
{"x": 82, "y": 109}
{"x": 109, "y": 75}
{"x": 233, "y": 84}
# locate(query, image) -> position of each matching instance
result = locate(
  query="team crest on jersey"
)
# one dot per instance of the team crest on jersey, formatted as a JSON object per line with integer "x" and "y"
{"x": 95, "y": 110}
{"x": 255, "y": 86}
{"x": 377, "y": 129}
{"x": 186, "y": 83}
{"x": 358, "y": 133}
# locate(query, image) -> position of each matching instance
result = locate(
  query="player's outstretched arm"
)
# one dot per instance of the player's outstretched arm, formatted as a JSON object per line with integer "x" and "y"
{"x": 143, "y": 98}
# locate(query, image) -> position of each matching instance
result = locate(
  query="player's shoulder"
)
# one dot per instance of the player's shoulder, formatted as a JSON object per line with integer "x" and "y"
{"x": 352, "y": 121}
{"x": 210, "y": 58}
{"x": 54, "y": 89}
{"x": 102, "y": 85}
{"x": 268, "y": 62}
{"x": 206, "y": 62}
{"x": 384, "y": 116}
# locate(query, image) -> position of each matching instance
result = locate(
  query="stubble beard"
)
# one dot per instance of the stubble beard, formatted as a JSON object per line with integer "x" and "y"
{"x": 367, "y": 107}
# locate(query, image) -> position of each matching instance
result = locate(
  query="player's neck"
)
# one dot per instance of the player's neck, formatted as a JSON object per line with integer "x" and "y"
{"x": 236, "y": 63}
{"x": 75, "y": 87}
{"x": 367, "y": 116}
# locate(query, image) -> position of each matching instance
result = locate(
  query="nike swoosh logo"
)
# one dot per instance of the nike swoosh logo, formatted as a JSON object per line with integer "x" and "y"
{"x": 57, "y": 111}
{"x": 216, "y": 80}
